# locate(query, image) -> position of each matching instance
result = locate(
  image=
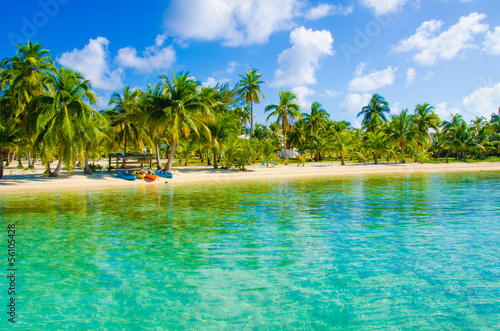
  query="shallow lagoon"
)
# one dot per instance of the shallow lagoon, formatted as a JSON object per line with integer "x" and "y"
{"x": 360, "y": 252}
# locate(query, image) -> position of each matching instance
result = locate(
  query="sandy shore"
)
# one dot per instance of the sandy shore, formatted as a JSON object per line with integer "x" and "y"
{"x": 16, "y": 180}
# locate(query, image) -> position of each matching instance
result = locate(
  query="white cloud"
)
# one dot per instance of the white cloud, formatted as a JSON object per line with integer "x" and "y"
{"x": 152, "y": 59}
{"x": 92, "y": 62}
{"x": 160, "y": 39}
{"x": 429, "y": 76}
{"x": 381, "y": 7}
{"x": 231, "y": 66}
{"x": 492, "y": 42}
{"x": 235, "y": 22}
{"x": 432, "y": 47}
{"x": 212, "y": 82}
{"x": 302, "y": 92}
{"x": 354, "y": 102}
{"x": 298, "y": 64}
{"x": 330, "y": 93}
{"x": 325, "y": 9}
{"x": 411, "y": 74}
{"x": 371, "y": 81}
{"x": 443, "y": 111}
{"x": 482, "y": 102}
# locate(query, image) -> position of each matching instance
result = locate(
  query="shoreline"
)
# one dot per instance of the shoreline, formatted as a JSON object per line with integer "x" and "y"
{"x": 18, "y": 181}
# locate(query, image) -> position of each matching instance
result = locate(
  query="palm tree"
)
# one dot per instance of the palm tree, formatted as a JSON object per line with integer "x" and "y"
{"x": 182, "y": 110}
{"x": 374, "y": 112}
{"x": 249, "y": 89}
{"x": 316, "y": 122}
{"x": 244, "y": 114}
{"x": 425, "y": 118}
{"x": 24, "y": 74}
{"x": 286, "y": 111}
{"x": 9, "y": 135}
{"x": 262, "y": 132}
{"x": 341, "y": 140}
{"x": 154, "y": 100}
{"x": 223, "y": 129}
{"x": 403, "y": 131}
{"x": 375, "y": 143}
{"x": 124, "y": 118}
{"x": 65, "y": 117}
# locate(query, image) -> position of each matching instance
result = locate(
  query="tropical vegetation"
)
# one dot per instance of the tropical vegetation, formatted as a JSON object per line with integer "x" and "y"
{"x": 49, "y": 114}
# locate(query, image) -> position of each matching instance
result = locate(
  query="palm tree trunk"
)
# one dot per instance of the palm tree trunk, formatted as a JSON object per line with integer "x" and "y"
{"x": 20, "y": 163}
{"x": 13, "y": 157}
{"x": 7, "y": 161}
{"x": 375, "y": 158}
{"x": 125, "y": 150}
{"x": 171, "y": 156}
{"x": 48, "y": 171}
{"x": 1, "y": 166}
{"x": 60, "y": 162}
{"x": 157, "y": 152}
{"x": 251, "y": 120}
{"x": 284, "y": 143}
{"x": 34, "y": 158}
{"x": 215, "y": 160}
{"x": 209, "y": 163}
{"x": 342, "y": 161}
{"x": 86, "y": 168}
{"x": 29, "y": 159}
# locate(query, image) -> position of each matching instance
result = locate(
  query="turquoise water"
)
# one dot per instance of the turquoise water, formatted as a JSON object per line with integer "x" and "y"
{"x": 360, "y": 253}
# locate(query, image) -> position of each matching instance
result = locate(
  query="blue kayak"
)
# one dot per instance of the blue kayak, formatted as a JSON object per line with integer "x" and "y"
{"x": 126, "y": 175}
{"x": 163, "y": 173}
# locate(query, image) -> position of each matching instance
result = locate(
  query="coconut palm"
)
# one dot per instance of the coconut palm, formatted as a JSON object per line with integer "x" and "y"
{"x": 244, "y": 114}
{"x": 64, "y": 117}
{"x": 223, "y": 129}
{"x": 249, "y": 89}
{"x": 425, "y": 118}
{"x": 181, "y": 110}
{"x": 125, "y": 118}
{"x": 286, "y": 112}
{"x": 403, "y": 131}
{"x": 316, "y": 126}
{"x": 23, "y": 76}
{"x": 9, "y": 136}
{"x": 154, "y": 99}
{"x": 341, "y": 141}
{"x": 374, "y": 113}
{"x": 375, "y": 143}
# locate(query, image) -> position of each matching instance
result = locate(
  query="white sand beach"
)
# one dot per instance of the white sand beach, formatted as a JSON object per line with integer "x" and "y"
{"x": 17, "y": 180}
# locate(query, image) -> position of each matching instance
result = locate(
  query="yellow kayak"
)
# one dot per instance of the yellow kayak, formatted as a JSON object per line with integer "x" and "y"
{"x": 140, "y": 173}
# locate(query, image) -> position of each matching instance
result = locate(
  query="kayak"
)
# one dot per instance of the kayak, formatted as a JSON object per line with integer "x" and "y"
{"x": 163, "y": 173}
{"x": 140, "y": 174}
{"x": 149, "y": 177}
{"x": 126, "y": 175}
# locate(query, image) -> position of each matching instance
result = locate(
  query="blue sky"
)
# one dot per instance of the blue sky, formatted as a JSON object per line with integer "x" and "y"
{"x": 444, "y": 52}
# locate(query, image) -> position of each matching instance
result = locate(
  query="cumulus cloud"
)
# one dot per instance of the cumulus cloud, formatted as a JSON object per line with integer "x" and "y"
{"x": 212, "y": 82}
{"x": 152, "y": 59}
{"x": 482, "y": 102}
{"x": 354, "y": 102}
{"x": 92, "y": 62}
{"x": 298, "y": 64}
{"x": 325, "y": 9}
{"x": 411, "y": 74}
{"x": 234, "y": 22}
{"x": 492, "y": 42}
{"x": 302, "y": 92}
{"x": 381, "y": 7}
{"x": 432, "y": 46}
{"x": 330, "y": 93}
{"x": 371, "y": 81}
